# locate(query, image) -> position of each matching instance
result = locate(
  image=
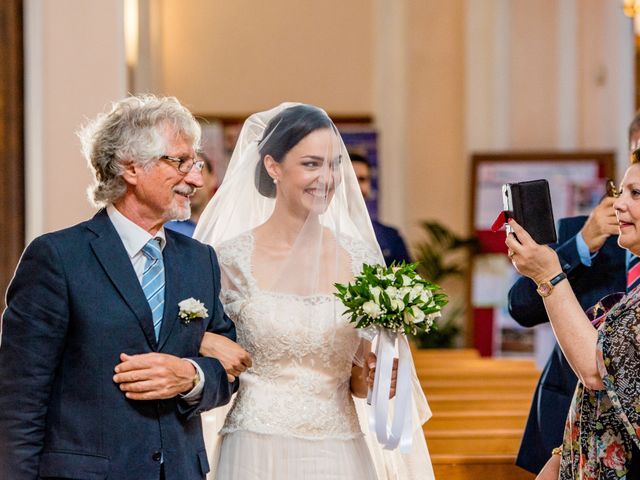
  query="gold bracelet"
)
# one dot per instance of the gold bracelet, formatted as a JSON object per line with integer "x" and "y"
{"x": 557, "y": 451}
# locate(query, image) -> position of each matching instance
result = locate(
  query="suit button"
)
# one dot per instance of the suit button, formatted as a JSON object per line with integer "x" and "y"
{"x": 157, "y": 456}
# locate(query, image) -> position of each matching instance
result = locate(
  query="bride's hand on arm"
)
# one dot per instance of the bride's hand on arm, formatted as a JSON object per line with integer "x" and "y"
{"x": 233, "y": 357}
{"x": 362, "y": 378}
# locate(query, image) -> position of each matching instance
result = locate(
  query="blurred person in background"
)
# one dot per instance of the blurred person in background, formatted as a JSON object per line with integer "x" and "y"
{"x": 391, "y": 242}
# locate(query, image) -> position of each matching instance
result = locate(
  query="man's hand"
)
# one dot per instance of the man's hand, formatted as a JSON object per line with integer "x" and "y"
{"x": 601, "y": 224}
{"x": 232, "y": 356}
{"x": 370, "y": 372}
{"x": 153, "y": 376}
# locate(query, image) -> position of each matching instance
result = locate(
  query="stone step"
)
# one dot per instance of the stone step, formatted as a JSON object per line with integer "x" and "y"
{"x": 464, "y": 363}
{"x": 474, "y": 442}
{"x": 493, "y": 402}
{"x": 478, "y": 467}
{"x": 480, "y": 385}
{"x": 474, "y": 374}
{"x": 479, "y": 419}
{"x": 444, "y": 353}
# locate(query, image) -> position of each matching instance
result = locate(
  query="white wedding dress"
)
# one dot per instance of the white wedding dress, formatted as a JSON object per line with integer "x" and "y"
{"x": 293, "y": 416}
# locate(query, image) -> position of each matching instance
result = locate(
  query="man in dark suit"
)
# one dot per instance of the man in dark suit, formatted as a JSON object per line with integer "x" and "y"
{"x": 391, "y": 242}
{"x": 595, "y": 266}
{"x": 100, "y": 376}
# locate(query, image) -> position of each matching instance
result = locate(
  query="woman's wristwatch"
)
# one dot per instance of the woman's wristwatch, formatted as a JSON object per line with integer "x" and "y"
{"x": 545, "y": 288}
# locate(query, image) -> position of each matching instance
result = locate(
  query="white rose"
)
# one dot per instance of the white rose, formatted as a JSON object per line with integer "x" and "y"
{"x": 192, "y": 308}
{"x": 426, "y": 295}
{"x": 407, "y": 316}
{"x": 397, "y": 305}
{"x": 403, "y": 291}
{"x": 392, "y": 292}
{"x": 376, "y": 291}
{"x": 413, "y": 315}
{"x": 371, "y": 309}
{"x": 417, "y": 314}
{"x": 406, "y": 280}
{"x": 416, "y": 291}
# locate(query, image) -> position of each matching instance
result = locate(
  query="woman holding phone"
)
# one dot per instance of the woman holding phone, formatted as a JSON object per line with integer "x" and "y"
{"x": 602, "y": 432}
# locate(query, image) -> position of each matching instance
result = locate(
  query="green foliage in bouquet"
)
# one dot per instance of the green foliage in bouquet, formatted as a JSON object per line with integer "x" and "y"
{"x": 393, "y": 297}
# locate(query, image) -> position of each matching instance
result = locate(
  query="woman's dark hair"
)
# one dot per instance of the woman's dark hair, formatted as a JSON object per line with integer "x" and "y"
{"x": 284, "y": 132}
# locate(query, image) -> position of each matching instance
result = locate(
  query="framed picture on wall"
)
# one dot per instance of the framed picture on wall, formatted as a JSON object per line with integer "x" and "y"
{"x": 576, "y": 182}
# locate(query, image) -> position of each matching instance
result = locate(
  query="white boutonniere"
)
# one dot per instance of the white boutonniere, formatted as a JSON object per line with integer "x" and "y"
{"x": 191, "y": 309}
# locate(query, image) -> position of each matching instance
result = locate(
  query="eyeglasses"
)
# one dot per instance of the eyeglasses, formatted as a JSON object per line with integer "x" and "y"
{"x": 611, "y": 189}
{"x": 184, "y": 165}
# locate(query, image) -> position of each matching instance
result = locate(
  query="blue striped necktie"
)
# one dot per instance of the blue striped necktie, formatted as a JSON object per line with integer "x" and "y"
{"x": 153, "y": 281}
{"x": 633, "y": 273}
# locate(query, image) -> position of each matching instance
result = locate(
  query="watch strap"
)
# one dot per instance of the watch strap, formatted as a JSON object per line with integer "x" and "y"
{"x": 545, "y": 288}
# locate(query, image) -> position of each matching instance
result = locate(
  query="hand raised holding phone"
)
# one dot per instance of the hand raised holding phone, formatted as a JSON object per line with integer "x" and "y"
{"x": 601, "y": 224}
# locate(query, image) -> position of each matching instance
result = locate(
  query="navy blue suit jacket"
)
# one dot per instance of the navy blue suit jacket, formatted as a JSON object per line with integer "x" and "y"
{"x": 391, "y": 243}
{"x": 73, "y": 306}
{"x": 557, "y": 383}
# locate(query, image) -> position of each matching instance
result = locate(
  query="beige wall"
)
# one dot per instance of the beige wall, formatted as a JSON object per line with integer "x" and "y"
{"x": 441, "y": 79}
{"x": 237, "y": 57}
{"x": 533, "y": 74}
{"x": 74, "y": 67}
{"x": 436, "y": 176}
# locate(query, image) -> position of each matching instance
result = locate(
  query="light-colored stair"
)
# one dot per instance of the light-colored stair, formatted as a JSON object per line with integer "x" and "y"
{"x": 476, "y": 419}
{"x": 480, "y": 407}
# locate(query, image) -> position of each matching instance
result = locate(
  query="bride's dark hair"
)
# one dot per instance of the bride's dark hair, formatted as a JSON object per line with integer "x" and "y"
{"x": 284, "y": 132}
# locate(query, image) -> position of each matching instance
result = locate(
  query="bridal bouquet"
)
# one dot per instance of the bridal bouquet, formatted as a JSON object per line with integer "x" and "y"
{"x": 390, "y": 303}
{"x": 394, "y": 297}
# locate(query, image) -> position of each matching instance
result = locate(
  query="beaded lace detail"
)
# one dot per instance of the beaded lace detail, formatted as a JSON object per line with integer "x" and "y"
{"x": 302, "y": 350}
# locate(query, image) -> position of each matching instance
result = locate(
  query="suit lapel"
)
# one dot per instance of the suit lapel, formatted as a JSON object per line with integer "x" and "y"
{"x": 115, "y": 261}
{"x": 173, "y": 276}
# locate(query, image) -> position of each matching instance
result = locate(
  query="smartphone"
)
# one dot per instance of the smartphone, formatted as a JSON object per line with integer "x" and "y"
{"x": 529, "y": 204}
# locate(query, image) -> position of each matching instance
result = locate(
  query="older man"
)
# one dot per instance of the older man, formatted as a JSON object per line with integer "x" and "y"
{"x": 100, "y": 376}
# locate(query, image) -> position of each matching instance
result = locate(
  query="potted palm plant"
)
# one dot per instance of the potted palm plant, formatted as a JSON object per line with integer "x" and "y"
{"x": 443, "y": 255}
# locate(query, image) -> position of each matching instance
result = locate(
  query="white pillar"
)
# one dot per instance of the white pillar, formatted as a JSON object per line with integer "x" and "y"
{"x": 487, "y": 75}
{"x": 567, "y": 75}
{"x": 74, "y": 66}
{"x": 390, "y": 90}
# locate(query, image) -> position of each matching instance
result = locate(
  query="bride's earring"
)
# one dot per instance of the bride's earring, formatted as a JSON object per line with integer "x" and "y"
{"x": 275, "y": 181}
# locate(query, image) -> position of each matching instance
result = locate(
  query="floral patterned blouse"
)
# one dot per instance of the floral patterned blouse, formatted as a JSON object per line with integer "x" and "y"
{"x": 603, "y": 425}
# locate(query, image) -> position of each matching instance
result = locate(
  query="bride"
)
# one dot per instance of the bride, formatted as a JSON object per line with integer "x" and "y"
{"x": 288, "y": 223}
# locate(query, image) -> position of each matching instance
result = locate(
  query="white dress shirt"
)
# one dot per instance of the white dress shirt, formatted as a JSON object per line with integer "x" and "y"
{"x": 134, "y": 239}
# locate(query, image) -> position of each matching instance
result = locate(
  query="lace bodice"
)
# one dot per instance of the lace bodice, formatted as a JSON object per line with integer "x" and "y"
{"x": 302, "y": 350}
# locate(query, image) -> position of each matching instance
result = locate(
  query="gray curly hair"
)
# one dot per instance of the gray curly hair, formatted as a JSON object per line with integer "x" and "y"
{"x": 131, "y": 132}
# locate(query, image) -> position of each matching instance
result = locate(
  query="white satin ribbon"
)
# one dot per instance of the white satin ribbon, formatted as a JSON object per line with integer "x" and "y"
{"x": 400, "y": 432}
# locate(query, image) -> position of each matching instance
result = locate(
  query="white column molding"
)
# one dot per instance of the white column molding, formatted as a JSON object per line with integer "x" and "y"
{"x": 567, "y": 74}
{"x": 487, "y": 39}
{"x": 501, "y": 92}
{"x": 74, "y": 66}
{"x": 33, "y": 111}
{"x": 390, "y": 90}
{"x": 621, "y": 46}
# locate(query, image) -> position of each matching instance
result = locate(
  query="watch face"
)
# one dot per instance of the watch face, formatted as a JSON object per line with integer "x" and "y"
{"x": 544, "y": 289}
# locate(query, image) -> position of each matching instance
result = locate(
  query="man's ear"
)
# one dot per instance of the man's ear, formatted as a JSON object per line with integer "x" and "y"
{"x": 272, "y": 167}
{"x": 130, "y": 172}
